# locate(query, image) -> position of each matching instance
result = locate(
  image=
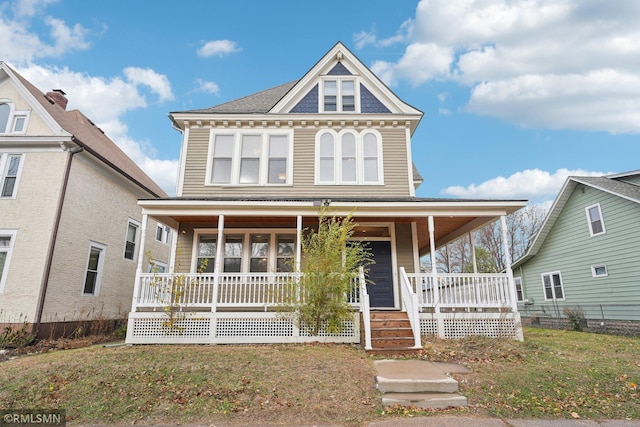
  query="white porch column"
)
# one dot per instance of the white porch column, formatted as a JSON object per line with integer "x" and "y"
{"x": 434, "y": 266}
{"x": 507, "y": 262}
{"x": 298, "y": 242}
{"x": 136, "y": 285}
{"x": 218, "y": 267}
{"x": 174, "y": 249}
{"x": 473, "y": 253}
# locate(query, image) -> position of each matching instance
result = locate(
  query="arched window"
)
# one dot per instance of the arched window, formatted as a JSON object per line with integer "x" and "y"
{"x": 5, "y": 111}
{"x": 349, "y": 158}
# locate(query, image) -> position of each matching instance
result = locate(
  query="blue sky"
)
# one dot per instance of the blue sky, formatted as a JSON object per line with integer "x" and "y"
{"x": 516, "y": 94}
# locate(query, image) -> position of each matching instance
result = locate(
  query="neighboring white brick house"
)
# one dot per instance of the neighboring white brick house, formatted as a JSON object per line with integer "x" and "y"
{"x": 70, "y": 224}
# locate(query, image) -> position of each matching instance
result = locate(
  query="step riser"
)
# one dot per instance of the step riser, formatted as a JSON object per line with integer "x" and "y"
{"x": 413, "y": 386}
{"x": 392, "y": 342}
{"x": 384, "y": 324}
{"x": 392, "y": 333}
{"x": 424, "y": 400}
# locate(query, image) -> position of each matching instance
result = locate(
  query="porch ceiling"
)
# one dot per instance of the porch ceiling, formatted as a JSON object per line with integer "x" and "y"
{"x": 446, "y": 228}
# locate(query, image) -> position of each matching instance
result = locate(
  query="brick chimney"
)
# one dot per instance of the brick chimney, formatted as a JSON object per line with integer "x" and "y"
{"x": 57, "y": 96}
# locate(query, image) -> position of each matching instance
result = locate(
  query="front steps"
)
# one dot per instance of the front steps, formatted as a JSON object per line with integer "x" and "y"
{"x": 417, "y": 383}
{"x": 391, "y": 333}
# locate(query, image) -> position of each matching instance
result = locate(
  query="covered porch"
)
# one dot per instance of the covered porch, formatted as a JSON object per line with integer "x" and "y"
{"x": 237, "y": 297}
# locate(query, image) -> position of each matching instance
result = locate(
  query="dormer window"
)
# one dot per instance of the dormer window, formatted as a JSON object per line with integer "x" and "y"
{"x": 339, "y": 95}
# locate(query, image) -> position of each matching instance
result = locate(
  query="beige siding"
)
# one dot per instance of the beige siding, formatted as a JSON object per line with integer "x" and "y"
{"x": 396, "y": 172}
{"x": 404, "y": 247}
{"x": 32, "y": 214}
{"x": 97, "y": 208}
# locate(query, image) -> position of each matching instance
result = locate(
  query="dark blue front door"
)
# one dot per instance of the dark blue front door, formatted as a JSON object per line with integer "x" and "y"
{"x": 381, "y": 276}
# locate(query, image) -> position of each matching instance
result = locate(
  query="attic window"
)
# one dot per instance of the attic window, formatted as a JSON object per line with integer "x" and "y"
{"x": 12, "y": 121}
{"x": 339, "y": 95}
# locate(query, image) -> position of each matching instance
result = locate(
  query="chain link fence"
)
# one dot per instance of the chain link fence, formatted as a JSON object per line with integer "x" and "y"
{"x": 616, "y": 319}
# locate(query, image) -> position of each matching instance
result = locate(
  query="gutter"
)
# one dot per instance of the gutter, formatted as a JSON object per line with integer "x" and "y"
{"x": 52, "y": 242}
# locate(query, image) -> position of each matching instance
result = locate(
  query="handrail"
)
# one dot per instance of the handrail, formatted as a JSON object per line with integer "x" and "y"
{"x": 365, "y": 310}
{"x": 410, "y": 304}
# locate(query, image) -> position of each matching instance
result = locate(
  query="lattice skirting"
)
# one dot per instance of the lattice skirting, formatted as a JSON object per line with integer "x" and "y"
{"x": 228, "y": 328}
{"x": 459, "y": 325}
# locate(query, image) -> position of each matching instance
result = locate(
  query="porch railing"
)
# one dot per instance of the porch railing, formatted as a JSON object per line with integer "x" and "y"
{"x": 230, "y": 290}
{"x": 452, "y": 290}
{"x": 411, "y": 306}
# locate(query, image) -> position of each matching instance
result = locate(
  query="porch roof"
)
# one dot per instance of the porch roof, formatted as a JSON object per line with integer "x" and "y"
{"x": 453, "y": 218}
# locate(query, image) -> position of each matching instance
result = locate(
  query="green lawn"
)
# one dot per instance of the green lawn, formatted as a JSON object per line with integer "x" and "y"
{"x": 553, "y": 374}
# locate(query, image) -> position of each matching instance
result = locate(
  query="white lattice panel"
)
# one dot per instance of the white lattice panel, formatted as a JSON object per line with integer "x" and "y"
{"x": 348, "y": 330}
{"x": 460, "y": 325}
{"x": 428, "y": 327}
{"x": 254, "y": 327}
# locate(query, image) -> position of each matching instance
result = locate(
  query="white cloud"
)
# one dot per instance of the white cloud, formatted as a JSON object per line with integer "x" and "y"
{"x": 531, "y": 184}
{"x": 21, "y": 46}
{"x": 562, "y": 64}
{"x": 208, "y": 87}
{"x": 90, "y": 94}
{"x": 364, "y": 38}
{"x": 218, "y": 48}
{"x": 158, "y": 83}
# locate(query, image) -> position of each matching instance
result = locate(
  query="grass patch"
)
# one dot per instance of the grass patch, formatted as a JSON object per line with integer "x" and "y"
{"x": 196, "y": 384}
{"x": 553, "y": 374}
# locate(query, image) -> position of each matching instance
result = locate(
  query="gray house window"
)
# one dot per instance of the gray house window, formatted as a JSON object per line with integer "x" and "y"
{"x": 95, "y": 265}
{"x": 519, "y": 293}
{"x": 552, "y": 284}
{"x": 594, "y": 217}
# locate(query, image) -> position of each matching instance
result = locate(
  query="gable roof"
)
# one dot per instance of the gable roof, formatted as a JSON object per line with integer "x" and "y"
{"x": 87, "y": 135}
{"x": 283, "y": 99}
{"x": 611, "y": 184}
{"x": 261, "y": 102}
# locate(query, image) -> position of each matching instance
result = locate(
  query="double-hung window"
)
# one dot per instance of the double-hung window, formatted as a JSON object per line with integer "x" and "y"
{"x": 519, "y": 293}
{"x": 594, "y": 217}
{"x": 131, "y": 240}
{"x": 163, "y": 234}
{"x": 10, "y": 165}
{"x": 552, "y": 284}
{"x": 339, "y": 95}
{"x": 250, "y": 158}
{"x": 349, "y": 157}
{"x": 7, "y": 239}
{"x": 95, "y": 265}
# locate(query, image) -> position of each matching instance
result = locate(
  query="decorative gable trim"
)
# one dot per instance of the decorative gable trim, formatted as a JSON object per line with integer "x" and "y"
{"x": 334, "y": 61}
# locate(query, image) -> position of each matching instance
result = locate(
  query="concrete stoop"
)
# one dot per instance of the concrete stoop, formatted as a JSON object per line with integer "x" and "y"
{"x": 418, "y": 383}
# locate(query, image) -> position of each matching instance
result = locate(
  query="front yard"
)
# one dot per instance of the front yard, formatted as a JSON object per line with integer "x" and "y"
{"x": 553, "y": 374}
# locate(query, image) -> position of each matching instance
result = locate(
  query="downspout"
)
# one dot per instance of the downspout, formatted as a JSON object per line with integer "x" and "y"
{"x": 52, "y": 242}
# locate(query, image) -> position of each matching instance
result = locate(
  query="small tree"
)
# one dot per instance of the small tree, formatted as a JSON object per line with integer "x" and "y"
{"x": 331, "y": 261}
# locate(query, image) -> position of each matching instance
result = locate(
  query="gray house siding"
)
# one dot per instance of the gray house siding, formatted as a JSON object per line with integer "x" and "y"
{"x": 570, "y": 249}
{"x": 396, "y": 172}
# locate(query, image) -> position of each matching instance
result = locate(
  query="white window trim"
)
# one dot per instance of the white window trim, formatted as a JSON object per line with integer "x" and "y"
{"x": 593, "y": 270}
{"x": 337, "y": 158}
{"x": 4, "y": 168}
{"x": 9, "y": 251}
{"x": 590, "y": 223}
{"x": 155, "y": 263}
{"x": 165, "y": 233}
{"x": 338, "y": 79}
{"x": 11, "y": 120}
{"x": 263, "y": 178}
{"x": 544, "y": 293}
{"x": 136, "y": 248}
{"x": 518, "y": 280}
{"x": 103, "y": 252}
{"x": 246, "y": 244}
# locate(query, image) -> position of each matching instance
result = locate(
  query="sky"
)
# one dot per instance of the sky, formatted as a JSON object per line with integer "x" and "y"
{"x": 516, "y": 94}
